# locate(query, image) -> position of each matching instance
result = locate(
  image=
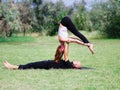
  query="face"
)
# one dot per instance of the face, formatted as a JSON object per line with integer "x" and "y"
{"x": 77, "y": 64}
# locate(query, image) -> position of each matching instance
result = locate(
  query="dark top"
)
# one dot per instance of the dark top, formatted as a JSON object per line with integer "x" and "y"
{"x": 48, "y": 65}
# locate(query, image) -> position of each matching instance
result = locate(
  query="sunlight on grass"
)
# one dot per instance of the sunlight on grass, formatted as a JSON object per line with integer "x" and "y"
{"x": 103, "y": 76}
{"x": 17, "y": 39}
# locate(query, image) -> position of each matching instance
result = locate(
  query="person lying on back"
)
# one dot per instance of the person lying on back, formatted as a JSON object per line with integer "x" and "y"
{"x": 49, "y": 64}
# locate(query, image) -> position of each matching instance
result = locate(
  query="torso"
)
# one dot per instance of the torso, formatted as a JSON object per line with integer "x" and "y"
{"x": 60, "y": 65}
{"x": 62, "y": 31}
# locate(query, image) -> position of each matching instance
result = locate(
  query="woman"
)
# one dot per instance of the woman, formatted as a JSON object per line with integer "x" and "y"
{"x": 65, "y": 24}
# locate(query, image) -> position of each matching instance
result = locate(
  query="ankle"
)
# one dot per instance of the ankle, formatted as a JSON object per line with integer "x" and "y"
{"x": 88, "y": 44}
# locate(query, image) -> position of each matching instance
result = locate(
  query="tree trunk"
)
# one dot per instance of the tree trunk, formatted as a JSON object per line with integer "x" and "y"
{"x": 8, "y": 33}
{"x": 24, "y": 32}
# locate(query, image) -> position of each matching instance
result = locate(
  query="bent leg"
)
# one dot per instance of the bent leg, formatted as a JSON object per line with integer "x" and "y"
{"x": 71, "y": 40}
{"x": 74, "y": 40}
{"x": 67, "y": 22}
{"x": 90, "y": 46}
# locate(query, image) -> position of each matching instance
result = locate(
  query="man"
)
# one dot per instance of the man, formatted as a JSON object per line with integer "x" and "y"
{"x": 48, "y": 64}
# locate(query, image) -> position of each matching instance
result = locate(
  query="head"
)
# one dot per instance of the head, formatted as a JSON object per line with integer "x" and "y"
{"x": 77, "y": 64}
{"x": 59, "y": 52}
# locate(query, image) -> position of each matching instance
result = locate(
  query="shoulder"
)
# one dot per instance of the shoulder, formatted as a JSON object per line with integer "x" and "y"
{"x": 68, "y": 61}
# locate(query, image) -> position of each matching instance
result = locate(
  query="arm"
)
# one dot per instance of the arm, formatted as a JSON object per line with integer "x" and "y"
{"x": 66, "y": 51}
{"x": 59, "y": 53}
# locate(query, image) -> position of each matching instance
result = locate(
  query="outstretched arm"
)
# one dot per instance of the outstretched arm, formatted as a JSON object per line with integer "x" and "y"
{"x": 10, "y": 66}
{"x": 66, "y": 51}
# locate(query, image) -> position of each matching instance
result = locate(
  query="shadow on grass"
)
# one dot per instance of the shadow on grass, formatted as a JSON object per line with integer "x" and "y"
{"x": 87, "y": 68}
{"x": 83, "y": 68}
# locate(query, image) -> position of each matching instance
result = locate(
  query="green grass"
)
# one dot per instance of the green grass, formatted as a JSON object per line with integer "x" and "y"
{"x": 17, "y": 39}
{"x": 104, "y": 76}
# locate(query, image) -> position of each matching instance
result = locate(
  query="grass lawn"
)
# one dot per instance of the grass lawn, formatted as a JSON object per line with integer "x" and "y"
{"x": 105, "y": 74}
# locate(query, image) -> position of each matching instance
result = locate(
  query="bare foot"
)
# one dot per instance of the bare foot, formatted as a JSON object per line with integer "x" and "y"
{"x": 10, "y": 66}
{"x": 91, "y": 48}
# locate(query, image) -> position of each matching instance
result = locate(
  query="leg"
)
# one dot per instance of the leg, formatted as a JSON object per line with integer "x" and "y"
{"x": 33, "y": 65}
{"x": 89, "y": 45}
{"x": 76, "y": 40}
{"x": 67, "y": 22}
{"x": 71, "y": 40}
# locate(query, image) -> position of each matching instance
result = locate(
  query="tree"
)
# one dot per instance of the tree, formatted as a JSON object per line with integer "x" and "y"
{"x": 27, "y": 16}
{"x": 113, "y": 27}
{"x": 60, "y": 11}
{"x": 105, "y": 18}
{"x": 9, "y": 18}
{"x": 98, "y": 16}
{"x": 49, "y": 15}
{"x": 81, "y": 17}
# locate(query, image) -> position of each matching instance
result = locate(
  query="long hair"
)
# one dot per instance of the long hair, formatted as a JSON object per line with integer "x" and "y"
{"x": 58, "y": 54}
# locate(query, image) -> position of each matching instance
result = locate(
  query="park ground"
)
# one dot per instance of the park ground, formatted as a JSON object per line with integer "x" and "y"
{"x": 103, "y": 71}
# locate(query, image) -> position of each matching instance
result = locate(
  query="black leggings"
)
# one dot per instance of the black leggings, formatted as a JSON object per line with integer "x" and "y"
{"x": 66, "y": 21}
{"x": 36, "y": 65}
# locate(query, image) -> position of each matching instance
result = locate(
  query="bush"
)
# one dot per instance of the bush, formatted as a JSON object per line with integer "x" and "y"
{"x": 113, "y": 29}
{"x": 105, "y": 17}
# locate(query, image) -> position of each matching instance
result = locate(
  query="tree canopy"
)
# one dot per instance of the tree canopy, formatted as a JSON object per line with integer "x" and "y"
{"x": 44, "y": 17}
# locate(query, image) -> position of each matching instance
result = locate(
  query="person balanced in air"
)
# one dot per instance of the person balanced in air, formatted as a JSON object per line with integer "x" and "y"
{"x": 67, "y": 24}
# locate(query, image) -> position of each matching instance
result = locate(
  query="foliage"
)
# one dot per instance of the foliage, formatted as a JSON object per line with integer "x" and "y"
{"x": 16, "y": 17}
{"x": 105, "y": 18}
{"x": 44, "y": 17}
{"x": 113, "y": 28}
{"x": 9, "y": 18}
{"x": 81, "y": 18}
{"x": 49, "y": 15}
{"x": 27, "y": 16}
{"x": 59, "y": 12}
